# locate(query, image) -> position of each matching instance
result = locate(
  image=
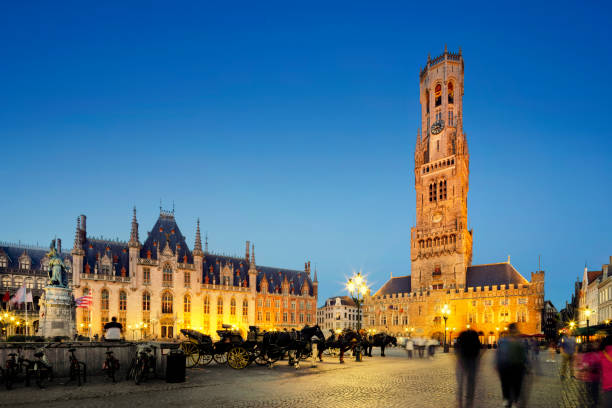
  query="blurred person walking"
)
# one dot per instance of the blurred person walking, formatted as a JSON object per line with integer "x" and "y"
{"x": 511, "y": 362}
{"x": 409, "y": 347}
{"x": 567, "y": 344}
{"x": 589, "y": 367}
{"x": 606, "y": 372}
{"x": 467, "y": 350}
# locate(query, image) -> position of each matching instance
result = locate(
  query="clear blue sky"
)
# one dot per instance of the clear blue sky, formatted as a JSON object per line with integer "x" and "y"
{"x": 294, "y": 126}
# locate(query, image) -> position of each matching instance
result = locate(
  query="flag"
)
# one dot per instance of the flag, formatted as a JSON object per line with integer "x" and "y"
{"x": 29, "y": 297}
{"x": 6, "y": 297}
{"x": 84, "y": 301}
{"x": 20, "y": 296}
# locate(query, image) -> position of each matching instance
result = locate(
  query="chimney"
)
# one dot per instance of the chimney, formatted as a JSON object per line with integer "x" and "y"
{"x": 247, "y": 255}
{"x": 59, "y": 246}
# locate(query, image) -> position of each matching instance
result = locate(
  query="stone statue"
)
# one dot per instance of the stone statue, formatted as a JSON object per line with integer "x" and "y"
{"x": 57, "y": 269}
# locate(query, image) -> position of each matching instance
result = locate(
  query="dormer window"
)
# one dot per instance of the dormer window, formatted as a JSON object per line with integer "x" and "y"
{"x": 24, "y": 261}
{"x": 3, "y": 262}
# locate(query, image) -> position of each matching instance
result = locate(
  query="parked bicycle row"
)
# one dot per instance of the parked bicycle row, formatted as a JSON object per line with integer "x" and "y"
{"x": 19, "y": 369}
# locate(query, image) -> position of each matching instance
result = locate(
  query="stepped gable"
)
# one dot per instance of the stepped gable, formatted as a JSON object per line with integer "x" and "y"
{"x": 166, "y": 230}
{"x": 344, "y": 300}
{"x": 493, "y": 275}
{"x": 400, "y": 284}
{"x": 97, "y": 249}
{"x": 36, "y": 254}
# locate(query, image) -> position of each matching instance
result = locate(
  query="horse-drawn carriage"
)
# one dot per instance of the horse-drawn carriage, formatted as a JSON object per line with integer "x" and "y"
{"x": 200, "y": 349}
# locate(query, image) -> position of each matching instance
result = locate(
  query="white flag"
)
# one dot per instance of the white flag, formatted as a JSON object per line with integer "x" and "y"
{"x": 29, "y": 297}
{"x": 20, "y": 296}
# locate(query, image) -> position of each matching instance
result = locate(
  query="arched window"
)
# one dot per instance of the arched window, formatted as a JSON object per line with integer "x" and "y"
{"x": 167, "y": 302}
{"x": 441, "y": 190}
{"x": 430, "y": 192}
{"x": 122, "y": 301}
{"x": 219, "y": 305}
{"x": 233, "y": 307}
{"x": 206, "y": 305}
{"x": 104, "y": 304}
{"x": 451, "y": 93}
{"x": 6, "y": 282}
{"x": 427, "y": 100}
{"x": 187, "y": 304}
{"x": 29, "y": 283}
{"x": 146, "y": 301}
{"x": 438, "y": 95}
{"x": 167, "y": 275}
{"x": 245, "y": 307}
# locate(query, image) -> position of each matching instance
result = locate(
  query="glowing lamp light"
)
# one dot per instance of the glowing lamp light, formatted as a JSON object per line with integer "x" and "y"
{"x": 587, "y": 312}
{"x": 572, "y": 324}
{"x": 468, "y": 326}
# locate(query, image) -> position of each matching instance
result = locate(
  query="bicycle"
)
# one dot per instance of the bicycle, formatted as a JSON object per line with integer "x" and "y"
{"x": 111, "y": 365}
{"x": 142, "y": 364}
{"x": 41, "y": 370}
{"x": 77, "y": 369}
{"x": 15, "y": 366}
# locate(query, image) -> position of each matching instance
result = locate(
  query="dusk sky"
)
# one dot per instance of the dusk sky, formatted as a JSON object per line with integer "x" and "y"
{"x": 294, "y": 126}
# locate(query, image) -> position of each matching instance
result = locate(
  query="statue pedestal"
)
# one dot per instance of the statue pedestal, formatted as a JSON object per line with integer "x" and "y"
{"x": 56, "y": 314}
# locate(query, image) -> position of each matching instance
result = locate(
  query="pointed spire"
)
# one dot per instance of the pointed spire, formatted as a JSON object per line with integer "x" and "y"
{"x": 197, "y": 249}
{"x": 134, "y": 243}
{"x": 315, "y": 280}
{"x": 206, "y": 243}
{"x": 78, "y": 241}
{"x": 253, "y": 254}
{"x": 445, "y": 49}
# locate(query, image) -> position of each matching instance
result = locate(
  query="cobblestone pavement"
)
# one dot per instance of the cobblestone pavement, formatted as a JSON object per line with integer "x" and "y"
{"x": 392, "y": 381}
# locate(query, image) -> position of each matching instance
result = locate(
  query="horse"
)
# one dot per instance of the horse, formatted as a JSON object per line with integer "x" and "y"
{"x": 296, "y": 344}
{"x": 346, "y": 340}
{"x": 381, "y": 340}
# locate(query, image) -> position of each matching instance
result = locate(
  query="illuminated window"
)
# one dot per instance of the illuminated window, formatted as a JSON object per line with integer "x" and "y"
{"x": 219, "y": 305}
{"x": 451, "y": 93}
{"x": 206, "y": 305}
{"x": 146, "y": 302}
{"x": 122, "y": 301}
{"x": 167, "y": 302}
{"x": 167, "y": 275}
{"x": 187, "y": 304}
{"x": 233, "y": 307}
{"x": 187, "y": 277}
{"x": 146, "y": 275}
{"x": 104, "y": 303}
{"x": 438, "y": 95}
{"x": 4, "y": 262}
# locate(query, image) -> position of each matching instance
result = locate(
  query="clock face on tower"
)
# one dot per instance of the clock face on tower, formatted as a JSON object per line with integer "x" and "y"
{"x": 437, "y": 127}
{"x": 437, "y": 217}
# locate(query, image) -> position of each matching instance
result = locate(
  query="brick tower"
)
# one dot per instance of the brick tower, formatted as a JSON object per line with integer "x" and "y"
{"x": 441, "y": 245}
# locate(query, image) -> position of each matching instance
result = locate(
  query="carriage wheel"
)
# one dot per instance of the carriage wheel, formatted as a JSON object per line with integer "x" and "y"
{"x": 192, "y": 354}
{"x": 238, "y": 358}
{"x": 220, "y": 358}
{"x": 205, "y": 358}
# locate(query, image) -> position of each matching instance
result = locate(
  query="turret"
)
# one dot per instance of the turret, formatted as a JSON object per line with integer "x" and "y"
{"x": 134, "y": 249}
{"x": 252, "y": 272}
{"x": 315, "y": 284}
{"x": 198, "y": 254}
{"x": 77, "y": 255}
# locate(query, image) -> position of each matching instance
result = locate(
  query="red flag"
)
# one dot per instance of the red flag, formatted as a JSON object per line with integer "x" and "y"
{"x": 6, "y": 297}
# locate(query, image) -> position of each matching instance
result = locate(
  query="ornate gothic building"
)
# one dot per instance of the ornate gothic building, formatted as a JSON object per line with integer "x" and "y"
{"x": 161, "y": 285}
{"x": 486, "y": 297}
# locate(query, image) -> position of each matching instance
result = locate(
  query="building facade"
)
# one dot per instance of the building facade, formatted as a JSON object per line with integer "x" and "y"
{"x": 485, "y": 297}
{"x": 588, "y": 304}
{"x": 339, "y": 312}
{"x": 160, "y": 286}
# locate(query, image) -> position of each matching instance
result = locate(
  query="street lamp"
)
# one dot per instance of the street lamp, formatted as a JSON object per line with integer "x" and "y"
{"x": 358, "y": 288}
{"x": 587, "y": 313}
{"x": 445, "y": 313}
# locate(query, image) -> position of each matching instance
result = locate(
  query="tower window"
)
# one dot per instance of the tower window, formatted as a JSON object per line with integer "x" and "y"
{"x": 427, "y": 99}
{"x": 438, "y": 95}
{"x": 451, "y": 93}
{"x": 437, "y": 145}
{"x": 450, "y": 118}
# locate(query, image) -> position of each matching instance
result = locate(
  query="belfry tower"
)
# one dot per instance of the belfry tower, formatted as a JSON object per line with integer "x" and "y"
{"x": 441, "y": 245}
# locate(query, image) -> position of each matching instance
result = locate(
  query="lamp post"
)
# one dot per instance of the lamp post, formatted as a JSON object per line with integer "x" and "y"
{"x": 445, "y": 314}
{"x": 357, "y": 288}
{"x": 587, "y": 314}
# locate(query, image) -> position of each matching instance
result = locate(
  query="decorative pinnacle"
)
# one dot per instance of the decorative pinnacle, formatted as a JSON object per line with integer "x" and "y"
{"x": 315, "y": 276}
{"x": 197, "y": 249}
{"x": 134, "y": 232}
{"x": 78, "y": 242}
